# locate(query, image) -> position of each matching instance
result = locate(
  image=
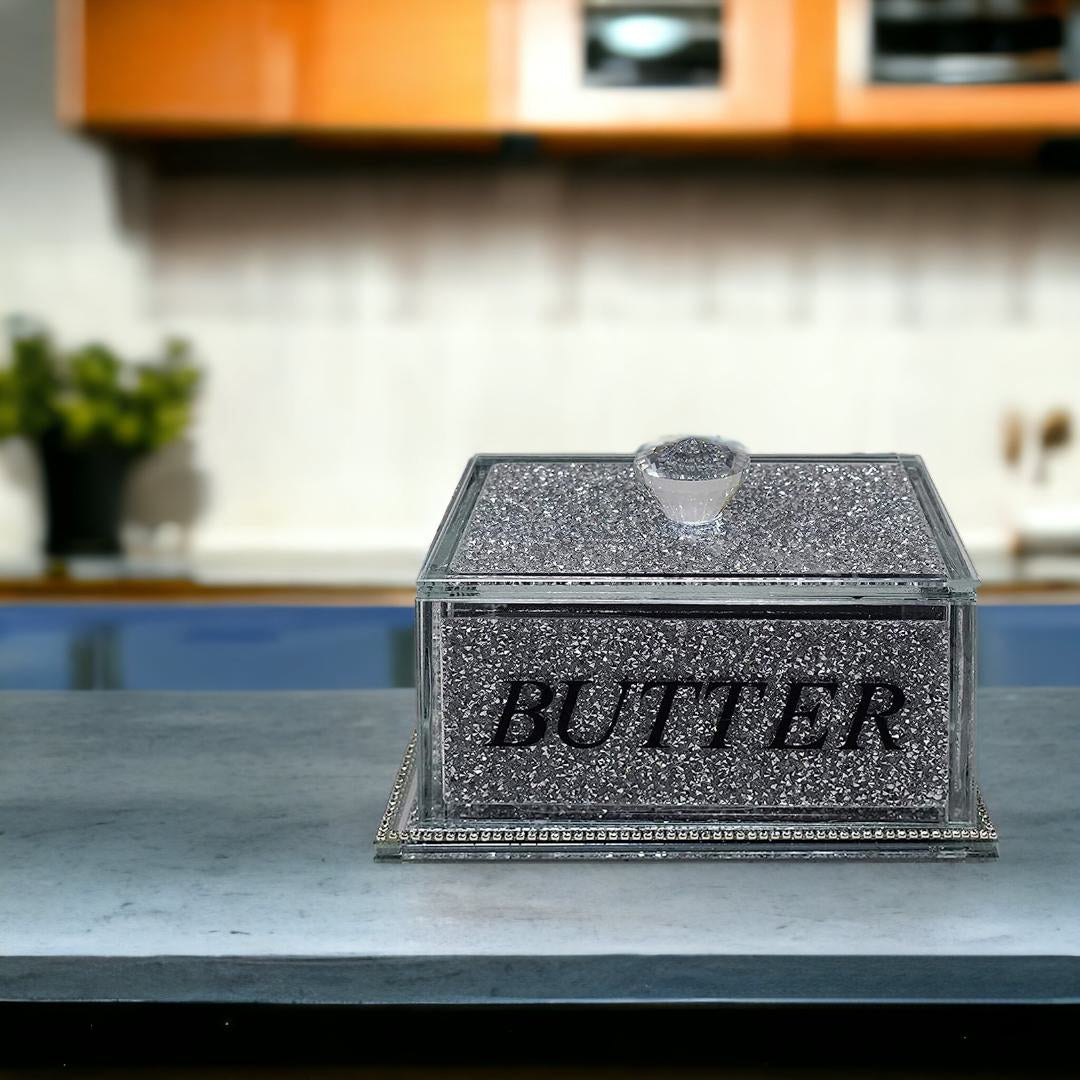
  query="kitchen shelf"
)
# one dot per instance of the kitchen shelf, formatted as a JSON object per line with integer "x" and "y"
{"x": 426, "y": 69}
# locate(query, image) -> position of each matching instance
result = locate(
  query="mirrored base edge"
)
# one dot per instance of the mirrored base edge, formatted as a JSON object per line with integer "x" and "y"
{"x": 403, "y": 837}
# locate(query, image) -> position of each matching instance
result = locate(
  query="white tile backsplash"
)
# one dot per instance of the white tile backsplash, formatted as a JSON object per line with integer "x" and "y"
{"x": 364, "y": 333}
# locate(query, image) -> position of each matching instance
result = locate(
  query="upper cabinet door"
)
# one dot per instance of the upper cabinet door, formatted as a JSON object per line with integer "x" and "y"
{"x": 180, "y": 64}
{"x": 670, "y": 67}
{"x": 902, "y": 67}
{"x": 399, "y": 65}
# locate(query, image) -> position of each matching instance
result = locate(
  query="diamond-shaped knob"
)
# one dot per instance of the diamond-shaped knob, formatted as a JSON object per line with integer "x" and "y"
{"x": 693, "y": 477}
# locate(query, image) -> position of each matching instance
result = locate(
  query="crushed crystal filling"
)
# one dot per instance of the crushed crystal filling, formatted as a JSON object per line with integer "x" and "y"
{"x": 588, "y": 518}
{"x": 479, "y": 656}
{"x": 695, "y": 458}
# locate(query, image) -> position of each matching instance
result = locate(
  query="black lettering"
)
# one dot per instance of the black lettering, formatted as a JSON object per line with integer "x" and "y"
{"x": 731, "y": 703}
{"x": 566, "y": 714}
{"x": 792, "y": 712}
{"x": 534, "y": 710}
{"x": 862, "y": 714}
{"x": 655, "y": 740}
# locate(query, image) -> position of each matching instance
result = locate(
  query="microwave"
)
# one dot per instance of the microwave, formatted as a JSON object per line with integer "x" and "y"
{"x": 677, "y": 43}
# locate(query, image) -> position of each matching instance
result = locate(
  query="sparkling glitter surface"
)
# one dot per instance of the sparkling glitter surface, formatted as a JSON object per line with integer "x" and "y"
{"x": 481, "y": 654}
{"x": 694, "y": 458}
{"x": 582, "y": 518}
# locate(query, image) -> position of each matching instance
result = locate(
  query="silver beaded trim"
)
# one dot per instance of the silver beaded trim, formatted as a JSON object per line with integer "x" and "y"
{"x": 983, "y": 832}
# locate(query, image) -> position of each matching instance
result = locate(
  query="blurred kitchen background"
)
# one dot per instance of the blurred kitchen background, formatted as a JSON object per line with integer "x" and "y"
{"x": 397, "y": 232}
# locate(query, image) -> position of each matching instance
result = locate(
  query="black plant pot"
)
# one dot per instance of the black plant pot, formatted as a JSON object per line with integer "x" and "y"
{"x": 84, "y": 496}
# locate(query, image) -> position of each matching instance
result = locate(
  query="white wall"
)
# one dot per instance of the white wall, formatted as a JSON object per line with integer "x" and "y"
{"x": 364, "y": 334}
{"x": 62, "y": 253}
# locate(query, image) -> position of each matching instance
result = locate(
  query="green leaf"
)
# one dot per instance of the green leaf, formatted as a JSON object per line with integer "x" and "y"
{"x": 91, "y": 394}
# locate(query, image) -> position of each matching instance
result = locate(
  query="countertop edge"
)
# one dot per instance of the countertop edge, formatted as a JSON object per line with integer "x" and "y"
{"x": 603, "y": 979}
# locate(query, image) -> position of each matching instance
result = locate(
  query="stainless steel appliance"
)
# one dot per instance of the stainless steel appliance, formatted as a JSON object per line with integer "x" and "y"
{"x": 974, "y": 41}
{"x": 667, "y": 43}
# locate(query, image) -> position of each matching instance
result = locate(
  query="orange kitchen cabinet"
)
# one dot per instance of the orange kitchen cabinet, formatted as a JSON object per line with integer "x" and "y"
{"x": 460, "y": 67}
{"x": 179, "y": 64}
{"x": 834, "y": 96}
{"x": 245, "y": 66}
{"x": 398, "y": 65}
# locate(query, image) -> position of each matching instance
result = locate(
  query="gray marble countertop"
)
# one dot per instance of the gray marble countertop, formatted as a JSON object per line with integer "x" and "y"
{"x": 217, "y": 847}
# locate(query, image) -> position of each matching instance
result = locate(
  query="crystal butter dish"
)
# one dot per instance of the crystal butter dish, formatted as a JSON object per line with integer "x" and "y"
{"x": 614, "y": 662}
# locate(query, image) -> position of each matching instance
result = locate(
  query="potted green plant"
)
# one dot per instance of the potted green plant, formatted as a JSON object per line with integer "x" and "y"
{"x": 90, "y": 416}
